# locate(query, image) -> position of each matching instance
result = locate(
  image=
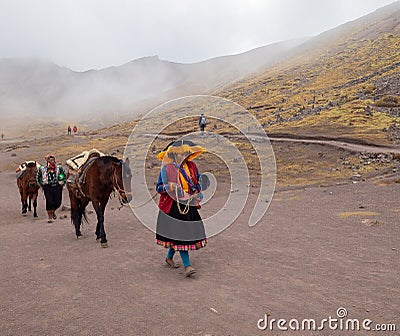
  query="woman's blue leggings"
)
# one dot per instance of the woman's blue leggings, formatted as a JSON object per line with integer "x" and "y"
{"x": 184, "y": 256}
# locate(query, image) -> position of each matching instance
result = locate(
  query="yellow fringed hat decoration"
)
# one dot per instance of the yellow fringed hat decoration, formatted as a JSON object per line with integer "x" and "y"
{"x": 181, "y": 147}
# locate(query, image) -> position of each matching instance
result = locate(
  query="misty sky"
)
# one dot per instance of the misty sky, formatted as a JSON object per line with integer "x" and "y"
{"x": 94, "y": 34}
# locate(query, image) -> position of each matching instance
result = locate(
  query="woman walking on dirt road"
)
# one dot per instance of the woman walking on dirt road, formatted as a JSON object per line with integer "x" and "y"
{"x": 51, "y": 178}
{"x": 179, "y": 225}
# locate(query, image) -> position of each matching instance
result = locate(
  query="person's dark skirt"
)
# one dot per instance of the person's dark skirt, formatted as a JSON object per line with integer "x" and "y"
{"x": 181, "y": 232}
{"x": 53, "y": 195}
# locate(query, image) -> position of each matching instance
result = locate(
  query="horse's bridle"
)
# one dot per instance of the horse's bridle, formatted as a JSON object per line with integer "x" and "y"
{"x": 119, "y": 190}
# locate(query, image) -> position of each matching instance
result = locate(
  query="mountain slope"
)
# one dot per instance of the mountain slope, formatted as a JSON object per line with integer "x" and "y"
{"x": 342, "y": 83}
{"x": 42, "y": 91}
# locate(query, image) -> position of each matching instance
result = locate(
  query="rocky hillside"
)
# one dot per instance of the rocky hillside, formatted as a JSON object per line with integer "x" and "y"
{"x": 344, "y": 83}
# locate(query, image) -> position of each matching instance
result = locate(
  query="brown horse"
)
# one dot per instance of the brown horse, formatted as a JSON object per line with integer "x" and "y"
{"x": 103, "y": 175}
{"x": 28, "y": 188}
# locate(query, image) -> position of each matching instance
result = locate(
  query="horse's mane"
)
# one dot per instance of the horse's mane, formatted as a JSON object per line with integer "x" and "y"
{"x": 109, "y": 158}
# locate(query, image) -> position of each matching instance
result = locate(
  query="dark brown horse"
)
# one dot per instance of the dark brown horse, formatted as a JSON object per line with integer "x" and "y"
{"x": 103, "y": 176}
{"x": 28, "y": 188}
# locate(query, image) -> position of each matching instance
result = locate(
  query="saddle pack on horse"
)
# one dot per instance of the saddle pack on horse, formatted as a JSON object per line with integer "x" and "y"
{"x": 20, "y": 171}
{"x": 77, "y": 167}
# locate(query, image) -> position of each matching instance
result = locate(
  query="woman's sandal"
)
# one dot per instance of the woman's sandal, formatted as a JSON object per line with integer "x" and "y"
{"x": 172, "y": 263}
{"x": 189, "y": 271}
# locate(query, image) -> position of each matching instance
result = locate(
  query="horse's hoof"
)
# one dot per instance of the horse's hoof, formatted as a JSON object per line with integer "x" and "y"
{"x": 104, "y": 245}
{"x": 98, "y": 239}
{"x": 24, "y": 214}
{"x": 79, "y": 236}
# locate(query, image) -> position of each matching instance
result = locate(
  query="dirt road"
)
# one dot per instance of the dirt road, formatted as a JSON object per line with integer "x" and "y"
{"x": 350, "y": 146}
{"x": 316, "y": 250}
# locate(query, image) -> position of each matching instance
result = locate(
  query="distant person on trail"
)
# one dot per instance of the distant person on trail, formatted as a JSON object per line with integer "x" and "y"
{"x": 202, "y": 123}
{"x": 51, "y": 177}
{"x": 2, "y": 136}
{"x": 69, "y": 130}
{"x": 75, "y": 129}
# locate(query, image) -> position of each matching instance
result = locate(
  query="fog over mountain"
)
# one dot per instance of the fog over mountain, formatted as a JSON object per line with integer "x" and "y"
{"x": 39, "y": 90}
{"x": 34, "y": 91}
{"x": 95, "y": 34}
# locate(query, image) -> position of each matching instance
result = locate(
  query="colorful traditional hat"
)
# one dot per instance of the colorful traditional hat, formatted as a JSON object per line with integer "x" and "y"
{"x": 48, "y": 156}
{"x": 181, "y": 147}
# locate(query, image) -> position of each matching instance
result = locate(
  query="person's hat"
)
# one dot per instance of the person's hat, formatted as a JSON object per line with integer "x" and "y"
{"x": 181, "y": 147}
{"x": 48, "y": 156}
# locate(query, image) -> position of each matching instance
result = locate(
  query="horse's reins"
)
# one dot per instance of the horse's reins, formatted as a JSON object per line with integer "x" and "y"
{"x": 187, "y": 205}
{"x": 143, "y": 204}
{"x": 119, "y": 190}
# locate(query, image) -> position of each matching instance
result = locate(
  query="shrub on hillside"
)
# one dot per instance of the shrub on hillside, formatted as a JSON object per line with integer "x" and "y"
{"x": 388, "y": 101}
{"x": 369, "y": 88}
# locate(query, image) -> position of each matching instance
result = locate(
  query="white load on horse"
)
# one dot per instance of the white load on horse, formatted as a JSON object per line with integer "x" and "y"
{"x": 78, "y": 164}
{"x": 27, "y": 185}
{"x": 22, "y": 168}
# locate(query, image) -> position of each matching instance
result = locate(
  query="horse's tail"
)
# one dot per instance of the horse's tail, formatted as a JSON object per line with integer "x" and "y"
{"x": 85, "y": 219}
{"x": 78, "y": 211}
